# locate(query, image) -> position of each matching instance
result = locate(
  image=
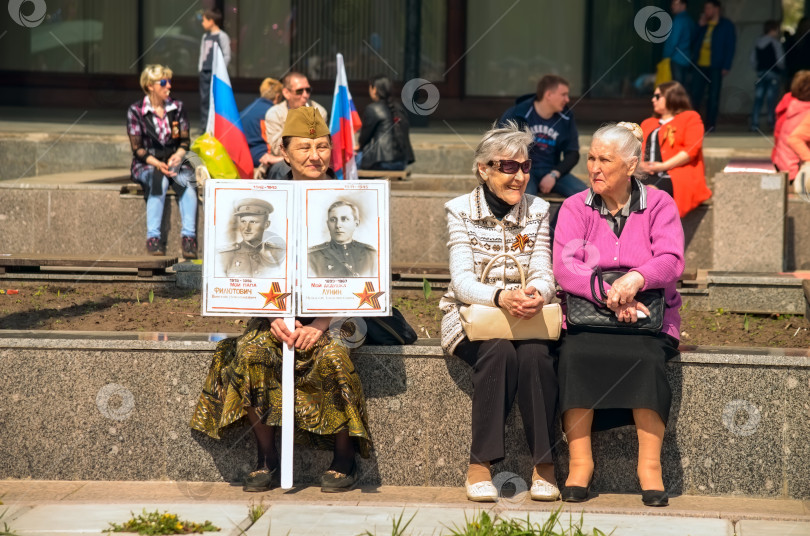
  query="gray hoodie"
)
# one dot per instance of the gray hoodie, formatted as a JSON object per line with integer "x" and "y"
{"x": 766, "y": 41}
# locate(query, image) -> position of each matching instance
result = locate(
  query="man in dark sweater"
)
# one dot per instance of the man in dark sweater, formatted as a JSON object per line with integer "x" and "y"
{"x": 555, "y": 151}
{"x": 713, "y": 53}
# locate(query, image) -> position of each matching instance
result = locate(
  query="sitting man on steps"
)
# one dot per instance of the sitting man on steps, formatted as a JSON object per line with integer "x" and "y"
{"x": 555, "y": 150}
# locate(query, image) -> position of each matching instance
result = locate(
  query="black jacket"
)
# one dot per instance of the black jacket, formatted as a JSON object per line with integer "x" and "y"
{"x": 381, "y": 140}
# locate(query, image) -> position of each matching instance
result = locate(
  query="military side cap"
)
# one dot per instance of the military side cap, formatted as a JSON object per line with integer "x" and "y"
{"x": 305, "y": 122}
{"x": 252, "y": 206}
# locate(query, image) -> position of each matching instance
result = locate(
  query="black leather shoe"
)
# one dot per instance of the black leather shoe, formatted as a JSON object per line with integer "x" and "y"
{"x": 576, "y": 493}
{"x": 259, "y": 480}
{"x": 333, "y": 482}
{"x": 652, "y": 497}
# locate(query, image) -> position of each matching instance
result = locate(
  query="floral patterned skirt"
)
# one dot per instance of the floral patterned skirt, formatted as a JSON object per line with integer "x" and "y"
{"x": 246, "y": 372}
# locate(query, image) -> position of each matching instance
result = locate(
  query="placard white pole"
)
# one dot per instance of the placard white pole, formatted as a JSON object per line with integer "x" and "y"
{"x": 287, "y": 408}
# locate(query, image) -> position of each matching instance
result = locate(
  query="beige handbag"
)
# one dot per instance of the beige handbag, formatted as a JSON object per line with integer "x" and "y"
{"x": 486, "y": 322}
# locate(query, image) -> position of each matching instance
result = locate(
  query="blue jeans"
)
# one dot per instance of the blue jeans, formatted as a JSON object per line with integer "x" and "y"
{"x": 566, "y": 186}
{"x": 766, "y": 88}
{"x": 186, "y": 201}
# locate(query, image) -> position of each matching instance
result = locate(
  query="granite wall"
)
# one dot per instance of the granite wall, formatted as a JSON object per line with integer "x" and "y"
{"x": 118, "y": 410}
{"x": 94, "y": 219}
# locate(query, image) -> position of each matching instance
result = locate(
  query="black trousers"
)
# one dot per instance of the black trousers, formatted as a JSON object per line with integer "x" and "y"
{"x": 713, "y": 78}
{"x": 503, "y": 370}
{"x": 205, "y": 97}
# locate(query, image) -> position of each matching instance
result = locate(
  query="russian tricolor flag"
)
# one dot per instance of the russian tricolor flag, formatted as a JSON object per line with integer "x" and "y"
{"x": 345, "y": 121}
{"x": 223, "y": 117}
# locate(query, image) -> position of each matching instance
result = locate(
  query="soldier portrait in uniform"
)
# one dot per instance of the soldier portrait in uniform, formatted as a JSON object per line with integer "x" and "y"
{"x": 342, "y": 255}
{"x": 255, "y": 251}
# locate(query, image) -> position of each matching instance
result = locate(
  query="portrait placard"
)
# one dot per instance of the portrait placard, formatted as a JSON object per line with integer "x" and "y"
{"x": 249, "y": 259}
{"x": 344, "y": 268}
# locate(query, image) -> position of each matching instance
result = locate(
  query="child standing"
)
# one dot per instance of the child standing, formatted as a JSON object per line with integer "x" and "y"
{"x": 768, "y": 59}
{"x": 212, "y": 19}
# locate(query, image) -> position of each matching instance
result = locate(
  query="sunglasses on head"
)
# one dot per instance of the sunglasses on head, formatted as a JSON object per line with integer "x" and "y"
{"x": 510, "y": 167}
{"x": 164, "y": 82}
{"x": 302, "y": 90}
{"x": 657, "y": 96}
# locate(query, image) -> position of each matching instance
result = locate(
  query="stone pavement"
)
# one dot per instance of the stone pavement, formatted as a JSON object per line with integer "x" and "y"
{"x": 87, "y": 507}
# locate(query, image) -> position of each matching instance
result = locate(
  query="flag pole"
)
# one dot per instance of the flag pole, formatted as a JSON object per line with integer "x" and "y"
{"x": 287, "y": 408}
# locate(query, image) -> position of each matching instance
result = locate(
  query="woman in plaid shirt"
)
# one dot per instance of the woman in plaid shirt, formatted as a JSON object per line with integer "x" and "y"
{"x": 158, "y": 132}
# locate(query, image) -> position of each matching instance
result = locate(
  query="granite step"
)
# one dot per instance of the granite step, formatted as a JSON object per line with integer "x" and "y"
{"x": 119, "y": 408}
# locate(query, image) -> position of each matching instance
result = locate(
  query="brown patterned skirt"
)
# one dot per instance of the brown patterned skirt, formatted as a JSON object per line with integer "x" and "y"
{"x": 246, "y": 372}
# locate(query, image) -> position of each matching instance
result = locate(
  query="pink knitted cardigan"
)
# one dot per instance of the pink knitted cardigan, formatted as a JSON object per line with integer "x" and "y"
{"x": 651, "y": 243}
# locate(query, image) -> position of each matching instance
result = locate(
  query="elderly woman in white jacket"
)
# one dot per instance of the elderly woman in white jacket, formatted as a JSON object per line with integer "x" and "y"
{"x": 499, "y": 217}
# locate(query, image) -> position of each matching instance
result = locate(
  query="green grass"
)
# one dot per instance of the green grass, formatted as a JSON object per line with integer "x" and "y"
{"x": 6, "y": 530}
{"x": 397, "y": 528}
{"x": 255, "y": 511}
{"x": 157, "y": 523}
{"x": 483, "y": 525}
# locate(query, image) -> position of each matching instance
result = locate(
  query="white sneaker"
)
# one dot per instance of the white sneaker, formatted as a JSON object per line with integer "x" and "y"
{"x": 544, "y": 491}
{"x": 481, "y": 491}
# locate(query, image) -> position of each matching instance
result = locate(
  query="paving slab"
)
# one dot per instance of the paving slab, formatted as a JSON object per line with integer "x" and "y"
{"x": 95, "y": 518}
{"x": 769, "y": 528}
{"x": 344, "y": 520}
{"x": 634, "y": 525}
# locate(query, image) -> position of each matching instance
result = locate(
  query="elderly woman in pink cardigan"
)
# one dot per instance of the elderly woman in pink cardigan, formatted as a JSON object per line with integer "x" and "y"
{"x": 609, "y": 380}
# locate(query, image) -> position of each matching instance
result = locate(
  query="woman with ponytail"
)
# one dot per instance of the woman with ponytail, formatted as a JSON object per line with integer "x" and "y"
{"x": 384, "y": 142}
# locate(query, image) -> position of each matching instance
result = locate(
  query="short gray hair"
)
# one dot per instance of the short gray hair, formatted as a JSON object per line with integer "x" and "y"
{"x": 508, "y": 139}
{"x": 626, "y": 139}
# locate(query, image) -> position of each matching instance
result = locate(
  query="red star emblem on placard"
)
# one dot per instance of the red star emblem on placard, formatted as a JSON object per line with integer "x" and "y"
{"x": 520, "y": 242}
{"x": 275, "y": 296}
{"x": 369, "y": 296}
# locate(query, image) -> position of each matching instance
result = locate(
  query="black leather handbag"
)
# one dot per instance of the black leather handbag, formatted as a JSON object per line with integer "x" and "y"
{"x": 586, "y": 316}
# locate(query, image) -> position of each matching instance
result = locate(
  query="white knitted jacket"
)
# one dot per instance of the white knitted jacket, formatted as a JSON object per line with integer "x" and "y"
{"x": 476, "y": 236}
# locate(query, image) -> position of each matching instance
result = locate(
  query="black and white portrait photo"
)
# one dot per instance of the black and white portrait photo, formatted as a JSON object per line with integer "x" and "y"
{"x": 345, "y": 225}
{"x": 251, "y": 249}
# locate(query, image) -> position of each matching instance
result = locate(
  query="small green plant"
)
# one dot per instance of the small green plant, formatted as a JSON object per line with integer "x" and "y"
{"x": 151, "y": 295}
{"x": 6, "y": 530}
{"x": 39, "y": 291}
{"x": 137, "y": 296}
{"x": 427, "y": 290}
{"x": 483, "y": 525}
{"x": 745, "y": 322}
{"x": 157, "y": 523}
{"x": 255, "y": 511}
{"x": 397, "y": 528}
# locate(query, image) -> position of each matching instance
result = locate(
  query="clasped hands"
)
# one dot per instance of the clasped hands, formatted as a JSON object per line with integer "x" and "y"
{"x": 621, "y": 297}
{"x": 303, "y": 337}
{"x": 521, "y": 303}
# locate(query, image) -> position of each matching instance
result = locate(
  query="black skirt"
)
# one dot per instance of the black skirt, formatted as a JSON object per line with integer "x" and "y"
{"x": 614, "y": 374}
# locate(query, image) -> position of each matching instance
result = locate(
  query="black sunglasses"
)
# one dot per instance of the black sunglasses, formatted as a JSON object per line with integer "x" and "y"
{"x": 657, "y": 96}
{"x": 510, "y": 167}
{"x": 301, "y": 90}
